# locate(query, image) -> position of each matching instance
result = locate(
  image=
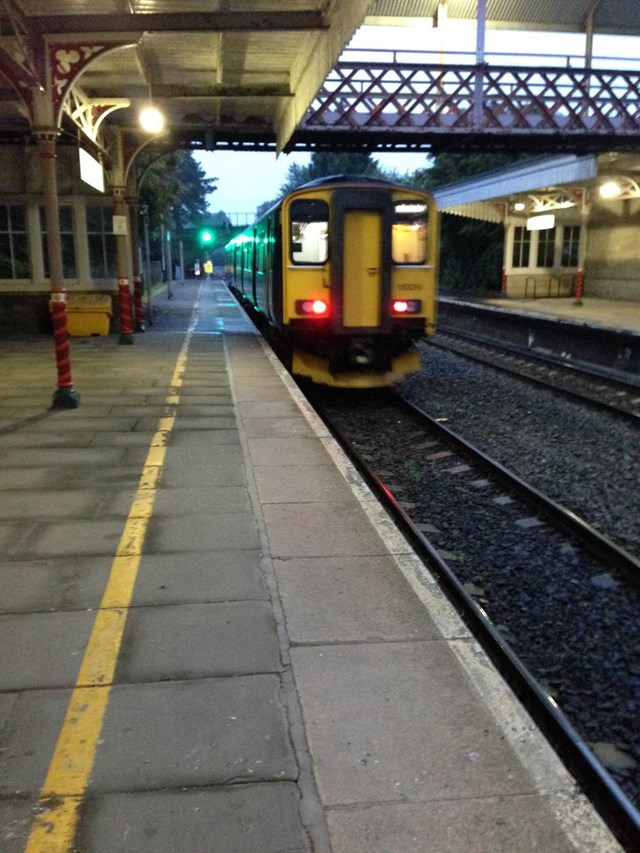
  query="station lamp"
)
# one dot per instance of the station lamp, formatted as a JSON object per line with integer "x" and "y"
{"x": 151, "y": 119}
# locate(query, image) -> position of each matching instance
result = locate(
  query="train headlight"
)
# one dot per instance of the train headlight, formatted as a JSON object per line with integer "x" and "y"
{"x": 406, "y": 306}
{"x": 312, "y": 307}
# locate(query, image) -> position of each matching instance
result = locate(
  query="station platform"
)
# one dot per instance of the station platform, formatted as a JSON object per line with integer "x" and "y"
{"x": 212, "y": 637}
{"x": 621, "y": 314}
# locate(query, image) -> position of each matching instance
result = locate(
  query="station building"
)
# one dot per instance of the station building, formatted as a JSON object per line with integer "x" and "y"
{"x": 571, "y": 226}
{"x": 571, "y": 223}
{"x": 86, "y": 235}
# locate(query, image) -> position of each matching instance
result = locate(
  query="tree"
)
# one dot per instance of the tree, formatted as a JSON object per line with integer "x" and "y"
{"x": 190, "y": 204}
{"x": 471, "y": 251}
{"x": 326, "y": 163}
{"x": 174, "y": 188}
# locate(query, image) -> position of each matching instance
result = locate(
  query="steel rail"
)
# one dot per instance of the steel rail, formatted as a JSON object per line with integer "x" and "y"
{"x": 633, "y": 416}
{"x": 563, "y": 519}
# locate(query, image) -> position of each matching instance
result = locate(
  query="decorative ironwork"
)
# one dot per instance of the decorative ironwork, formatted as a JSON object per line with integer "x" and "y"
{"x": 410, "y": 99}
{"x": 67, "y": 61}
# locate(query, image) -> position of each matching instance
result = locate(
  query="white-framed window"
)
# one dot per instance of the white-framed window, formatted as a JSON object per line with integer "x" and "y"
{"x": 14, "y": 242}
{"x": 545, "y": 249}
{"x": 570, "y": 246}
{"x": 521, "y": 247}
{"x": 102, "y": 242}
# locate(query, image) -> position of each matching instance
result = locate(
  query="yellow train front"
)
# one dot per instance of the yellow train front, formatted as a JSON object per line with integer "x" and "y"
{"x": 344, "y": 271}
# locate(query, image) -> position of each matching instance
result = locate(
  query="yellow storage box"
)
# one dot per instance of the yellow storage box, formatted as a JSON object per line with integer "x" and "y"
{"x": 88, "y": 314}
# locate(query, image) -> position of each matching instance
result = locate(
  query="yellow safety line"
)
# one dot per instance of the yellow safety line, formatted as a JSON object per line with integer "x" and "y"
{"x": 55, "y": 824}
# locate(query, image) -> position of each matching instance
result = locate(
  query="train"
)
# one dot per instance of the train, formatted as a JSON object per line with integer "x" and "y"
{"x": 342, "y": 275}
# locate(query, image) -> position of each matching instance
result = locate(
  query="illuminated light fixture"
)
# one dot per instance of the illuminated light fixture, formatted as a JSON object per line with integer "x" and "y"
{"x": 151, "y": 119}
{"x": 313, "y": 307}
{"x": 610, "y": 189}
{"x": 541, "y": 223}
{"x": 519, "y": 205}
{"x": 406, "y": 306}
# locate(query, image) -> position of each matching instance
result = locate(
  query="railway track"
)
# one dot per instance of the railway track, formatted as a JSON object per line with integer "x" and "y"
{"x": 599, "y": 387}
{"x": 540, "y": 588}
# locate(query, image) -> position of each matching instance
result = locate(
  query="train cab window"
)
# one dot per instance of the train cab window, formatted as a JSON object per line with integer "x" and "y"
{"x": 309, "y": 231}
{"x": 409, "y": 232}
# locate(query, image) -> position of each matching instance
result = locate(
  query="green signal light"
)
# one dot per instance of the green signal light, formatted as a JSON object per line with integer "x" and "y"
{"x": 206, "y": 236}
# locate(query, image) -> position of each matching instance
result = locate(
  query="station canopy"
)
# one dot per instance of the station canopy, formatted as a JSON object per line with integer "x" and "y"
{"x": 224, "y": 72}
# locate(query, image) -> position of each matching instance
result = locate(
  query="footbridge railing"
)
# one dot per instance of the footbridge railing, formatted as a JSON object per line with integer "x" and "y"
{"x": 378, "y": 104}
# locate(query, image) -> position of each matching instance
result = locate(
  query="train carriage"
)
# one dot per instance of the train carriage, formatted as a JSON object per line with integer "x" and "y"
{"x": 343, "y": 271}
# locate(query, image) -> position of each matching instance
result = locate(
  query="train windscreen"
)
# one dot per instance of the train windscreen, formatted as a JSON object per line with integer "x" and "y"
{"x": 409, "y": 232}
{"x": 309, "y": 231}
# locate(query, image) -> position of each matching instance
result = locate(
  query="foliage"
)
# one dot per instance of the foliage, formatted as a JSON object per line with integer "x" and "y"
{"x": 471, "y": 251}
{"x": 449, "y": 168}
{"x": 325, "y": 163}
{"x": 174, "y": 188}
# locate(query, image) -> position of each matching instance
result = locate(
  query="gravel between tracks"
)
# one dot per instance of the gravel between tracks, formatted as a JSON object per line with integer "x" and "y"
{"x": 584, "y": 459}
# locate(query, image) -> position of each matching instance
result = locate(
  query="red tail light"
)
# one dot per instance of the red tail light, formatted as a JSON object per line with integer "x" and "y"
{"x": 312, "y": 307}
{"x": 406, "y": 306}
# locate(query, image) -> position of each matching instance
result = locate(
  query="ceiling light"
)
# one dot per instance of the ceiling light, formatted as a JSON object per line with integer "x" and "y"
{"x": 151, "y": 119}
{"x": 610, "y": 189}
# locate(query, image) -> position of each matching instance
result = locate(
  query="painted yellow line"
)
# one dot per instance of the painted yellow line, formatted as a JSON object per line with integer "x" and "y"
{"x": 61, "y": 797}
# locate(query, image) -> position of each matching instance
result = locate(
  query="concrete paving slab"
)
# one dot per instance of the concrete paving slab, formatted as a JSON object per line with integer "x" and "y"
{"x": 79, "y": 421}
{"x": 42, "y": 649}
{"x": 17, "y": 478}
{"x": 287, "y": 451}
{"x": 391, "y": 753}
{"x": 298, "y": 484}
{"x": 41, "y": 457}
{"x": 65, "y": 583}
{"x": 189, "y": 423}
{"x": 125, "y": 440}
{"x": 12, "y": 534}
{"x": 25, "y": 758}
{"x": 199, "y": 576}
{"x": 16, "y": 817}
{"x": 267, "y": 409}
{"x": 214, "y": 438}
{"x": 194, "y": 733}
{"x": 364, "y": 599}
{"x": 518, "y": 824}
{"x": 193, "y": 410}
{"x": 198, "y": 641}
{"x": 225, "y": 532}
{"x": 226, "y": 469}
{"x": 320, "y": 530}
{"x": 7, "y": 701}
{"x": 260, "y": 390}
{"x": 86, "y": 476}
{"x": 260, "y": 818}
{"x": 30, "y": 504}
{"x": 30, "y": 439}
{"x": 277, "y": 428}
{"x": 197, "y": 500}
{"x": 78, "y": 537}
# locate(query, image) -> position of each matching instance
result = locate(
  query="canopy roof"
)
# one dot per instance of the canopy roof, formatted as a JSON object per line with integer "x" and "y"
{"x": 222, "y": 70}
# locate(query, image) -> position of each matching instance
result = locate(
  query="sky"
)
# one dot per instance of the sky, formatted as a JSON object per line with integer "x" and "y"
{"x": 247, "y": 179}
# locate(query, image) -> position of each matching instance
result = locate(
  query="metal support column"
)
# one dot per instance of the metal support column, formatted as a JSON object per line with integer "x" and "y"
{"x": 65, "y": 396}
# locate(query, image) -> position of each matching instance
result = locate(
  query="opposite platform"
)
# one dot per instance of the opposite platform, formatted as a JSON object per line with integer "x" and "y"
{"x": 212, "y": 637}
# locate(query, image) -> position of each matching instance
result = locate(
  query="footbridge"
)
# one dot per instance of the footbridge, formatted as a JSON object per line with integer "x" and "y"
{"x": 397, "y": 101}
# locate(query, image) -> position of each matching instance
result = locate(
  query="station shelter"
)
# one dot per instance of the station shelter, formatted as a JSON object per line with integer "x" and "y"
{"x": 87, "y": 237}
{"x": 571, "y": 223}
